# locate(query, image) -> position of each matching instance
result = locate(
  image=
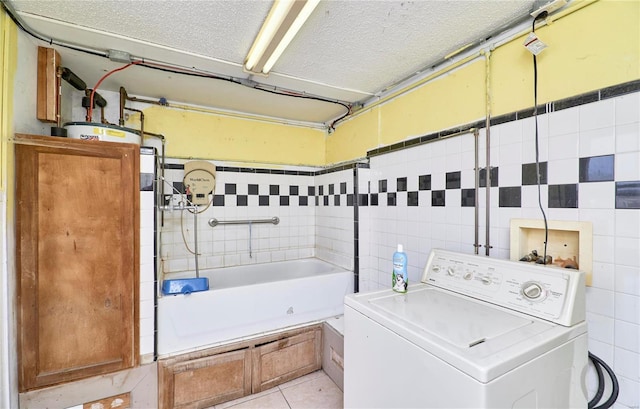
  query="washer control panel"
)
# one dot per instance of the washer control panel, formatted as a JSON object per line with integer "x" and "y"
{"x": 546, "y": 292}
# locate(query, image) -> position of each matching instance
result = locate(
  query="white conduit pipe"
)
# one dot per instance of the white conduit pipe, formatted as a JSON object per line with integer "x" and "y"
{"x": 487, "y": 58}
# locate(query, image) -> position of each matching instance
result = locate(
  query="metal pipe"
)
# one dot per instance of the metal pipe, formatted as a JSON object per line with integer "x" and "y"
{"x": 146, "y": 101}
{"x": 195, "y": 240}
{"x": 476, "y": 242}
{"x": 215, "y": 222}
{"x": 141, "y": 119}
{"x": 487, "y": 56}
{"x": 59, "y": 71}
{"x": 123, "y": 98}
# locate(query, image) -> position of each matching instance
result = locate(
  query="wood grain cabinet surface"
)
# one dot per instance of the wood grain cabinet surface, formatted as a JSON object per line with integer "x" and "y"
{"x": 205, "y": 378}
{"x": 77, "y": 239}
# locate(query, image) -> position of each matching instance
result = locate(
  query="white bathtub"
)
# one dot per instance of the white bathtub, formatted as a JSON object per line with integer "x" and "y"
{"x": 251, "y": 300}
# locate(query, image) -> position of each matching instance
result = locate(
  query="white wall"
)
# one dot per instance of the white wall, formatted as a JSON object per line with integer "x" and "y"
{"x": 608, "y": 127}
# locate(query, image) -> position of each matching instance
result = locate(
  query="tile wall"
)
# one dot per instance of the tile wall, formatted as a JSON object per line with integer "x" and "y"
{"x": 335, "y": 217}
{"x": 313, "y": 205}
{"x": 422, "y": 196}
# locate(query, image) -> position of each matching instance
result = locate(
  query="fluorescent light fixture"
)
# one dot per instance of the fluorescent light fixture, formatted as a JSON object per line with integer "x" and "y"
{"x": 282, "y": 24}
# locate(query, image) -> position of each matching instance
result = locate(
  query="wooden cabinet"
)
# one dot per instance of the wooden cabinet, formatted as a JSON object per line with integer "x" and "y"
{"x": 77, "y": 228}
{"x": 285, "y": 359}
{"x": 206, "y": 381}
{"x": 205, "y": 378}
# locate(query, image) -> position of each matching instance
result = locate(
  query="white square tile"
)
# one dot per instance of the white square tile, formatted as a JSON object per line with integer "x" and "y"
{"x": 529, "y": 128}
{"x": 601, "y": 220}
{"x": 629, "y": 393}
{"x": 146, "y": 308}
{"x": 563, "y": 146}
{"x": 603, "y": 249}
{"x": 600, "y": 301}
{"x": 627, "y": 108}
{"x": 530, "y": 197}
{"x": 562, "y": 171}
{"x": 597, "y": 115}
{"x": 603, "y": 350}
{"x": 627, "y": 251}
{"x": 146, "y": 327}
{"x": 601, "y": 328}
{"x": 627, "y": 223}
{"x": 603, "y": 276}
{"x": 597, "y": 142}
{"x": 628, "y": 137}
{"x": 627, "y": 363}
{"x": 564, "y": 122}
{"x": 510, "y": 175}
{"x": 510, "y": 154}
{"x": 627, "y": 336}
{"x": 628, "y": 280}
{"x": 597, "y": 195}
{"x": 627, "y": 166}
{"x": 627, "y": 308}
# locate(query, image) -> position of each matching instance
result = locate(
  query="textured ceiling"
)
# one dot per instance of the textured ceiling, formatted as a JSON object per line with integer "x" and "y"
{"x": 348, "y": 50}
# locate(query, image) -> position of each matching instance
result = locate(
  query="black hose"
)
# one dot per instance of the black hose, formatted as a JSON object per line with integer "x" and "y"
{"x": 596, "y": 398}
{"x": 615, "y": 390}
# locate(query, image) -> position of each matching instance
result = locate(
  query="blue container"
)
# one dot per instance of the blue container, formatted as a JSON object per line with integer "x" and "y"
{"x": 185, "y": 285}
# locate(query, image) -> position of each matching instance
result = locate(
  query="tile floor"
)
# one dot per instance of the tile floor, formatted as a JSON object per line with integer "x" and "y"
{"x": 313, "y": 391}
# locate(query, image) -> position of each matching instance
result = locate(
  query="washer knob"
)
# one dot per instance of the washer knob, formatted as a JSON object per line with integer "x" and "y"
{"x": 435, "y": 269}
{"x": 532, "y": 291}
{"x": 468, "y": 275}
{"x": 451, "y": 272}
{"x": 486, "y": 280}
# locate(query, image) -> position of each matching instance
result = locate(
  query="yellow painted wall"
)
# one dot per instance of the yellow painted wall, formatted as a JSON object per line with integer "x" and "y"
{"x": 594, "y": 47}
{"x": 211, "y": 136}
{"x": 438, "y": 105}
{"x": 8, "y": 64}
{"x": 349, "y": 138}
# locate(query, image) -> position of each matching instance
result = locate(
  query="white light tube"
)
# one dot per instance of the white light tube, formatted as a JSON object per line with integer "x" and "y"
{"x": 270, "y": 36}
{"x": 276, "y": 16}
{"x": 293, "y": 30}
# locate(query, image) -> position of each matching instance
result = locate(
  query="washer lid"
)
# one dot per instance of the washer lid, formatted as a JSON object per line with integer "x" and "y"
{"x": 480, "y": 339}
{"x": 453, "y": 319}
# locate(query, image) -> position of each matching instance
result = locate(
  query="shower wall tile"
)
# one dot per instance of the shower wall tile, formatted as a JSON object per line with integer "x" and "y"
{"x": 562, "y": 171}
{"x": 334, "y": 218}
{"x": 600, "y": 195}
{"x": 243, "y": 193}
{"x": 597, "y": 142}
{"x": 597, "y": 115}
{"x": 626, "y": 138}
{"x": 590, "y": 171}
{"x": 628, "y": 166}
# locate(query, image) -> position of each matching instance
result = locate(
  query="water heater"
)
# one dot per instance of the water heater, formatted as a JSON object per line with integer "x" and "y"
{"x": 199, "y": 180}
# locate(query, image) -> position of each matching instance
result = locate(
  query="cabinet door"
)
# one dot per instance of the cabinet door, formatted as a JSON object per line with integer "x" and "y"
{"x": 204, "y": 382}
{"x": 289, "y": 358}
{"x": 77, "y": 227}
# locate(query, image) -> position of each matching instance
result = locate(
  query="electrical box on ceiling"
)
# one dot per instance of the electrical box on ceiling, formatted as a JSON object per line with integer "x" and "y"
{"x": 199, "y": 180}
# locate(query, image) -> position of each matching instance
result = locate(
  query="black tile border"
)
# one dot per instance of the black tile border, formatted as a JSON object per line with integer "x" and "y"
{"x": 570, "y": 102}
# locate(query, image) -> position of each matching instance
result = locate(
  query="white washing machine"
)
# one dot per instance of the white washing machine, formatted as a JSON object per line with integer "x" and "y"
{"x": 476, "y": 333}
